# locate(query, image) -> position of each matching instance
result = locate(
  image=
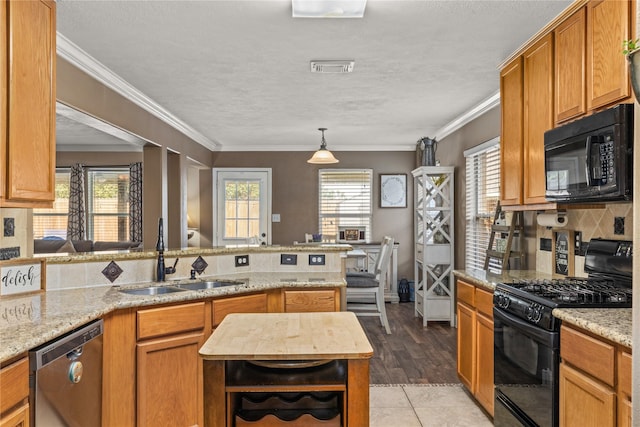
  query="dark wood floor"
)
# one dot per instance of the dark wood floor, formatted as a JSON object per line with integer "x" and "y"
{"x": 411, "y": 354}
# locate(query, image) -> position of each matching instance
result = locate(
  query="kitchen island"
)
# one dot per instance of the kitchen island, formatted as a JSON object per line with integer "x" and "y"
{"x": 260, "y": 365}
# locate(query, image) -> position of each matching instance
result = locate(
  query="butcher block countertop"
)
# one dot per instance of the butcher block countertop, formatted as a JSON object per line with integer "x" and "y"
{"x": 288, "y": 336}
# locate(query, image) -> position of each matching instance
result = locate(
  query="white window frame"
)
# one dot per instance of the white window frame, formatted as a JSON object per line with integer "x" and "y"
{"x": 365, "y": 216}
{"x": 478, "y": 222}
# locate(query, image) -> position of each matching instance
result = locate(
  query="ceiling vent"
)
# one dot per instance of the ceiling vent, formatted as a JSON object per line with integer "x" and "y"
{"x": 332, "y": 66}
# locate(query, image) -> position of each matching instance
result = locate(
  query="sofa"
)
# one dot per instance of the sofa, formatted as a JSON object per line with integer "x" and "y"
{"x": 49, "y": 246}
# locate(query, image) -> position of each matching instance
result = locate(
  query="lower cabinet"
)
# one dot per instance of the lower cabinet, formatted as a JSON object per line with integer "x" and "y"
{"x": 475, "y": 342}
{"x": 169, "y": 386}
{"x": 14, "y": 394}
{"x": 152, "y": 372}
{"x": 595, "y": 380}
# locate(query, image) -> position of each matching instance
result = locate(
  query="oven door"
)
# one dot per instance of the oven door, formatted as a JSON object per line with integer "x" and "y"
{"x": 526, "y": 360}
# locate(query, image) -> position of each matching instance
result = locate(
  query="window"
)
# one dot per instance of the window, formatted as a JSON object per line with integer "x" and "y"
{"x": 242, "y": 208}
{"x": 53, "y": 222}
{"x": 345, "y": 199}
{"x": 107, "y": 206}
{"x": 483, "y": 194}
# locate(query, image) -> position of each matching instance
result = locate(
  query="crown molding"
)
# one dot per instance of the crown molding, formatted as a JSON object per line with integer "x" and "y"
{"x": 72, "y": 53}
{"x": 477, "y": 111}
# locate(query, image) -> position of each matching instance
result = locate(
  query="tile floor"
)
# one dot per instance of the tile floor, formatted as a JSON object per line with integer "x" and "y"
{"x": 424, "y": 405}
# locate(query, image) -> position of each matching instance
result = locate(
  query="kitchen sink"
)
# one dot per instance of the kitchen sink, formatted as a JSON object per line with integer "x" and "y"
{"x": 208, "y": 284}
{"x": 152, "y": 290}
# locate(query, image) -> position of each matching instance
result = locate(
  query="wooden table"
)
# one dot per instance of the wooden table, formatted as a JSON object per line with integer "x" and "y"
{"x": 335, "y": 336}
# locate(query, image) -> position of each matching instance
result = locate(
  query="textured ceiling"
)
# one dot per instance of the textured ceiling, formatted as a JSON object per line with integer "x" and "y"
{"x": 238, "y": 71}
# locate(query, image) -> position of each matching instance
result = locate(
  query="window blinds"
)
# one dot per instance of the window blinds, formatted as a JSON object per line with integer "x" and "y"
{"x": 483, "y": 194}
{"x": 345, "y": 199}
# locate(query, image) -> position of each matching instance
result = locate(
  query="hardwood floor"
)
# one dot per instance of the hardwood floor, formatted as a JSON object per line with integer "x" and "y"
{"x": 411, "y": 354}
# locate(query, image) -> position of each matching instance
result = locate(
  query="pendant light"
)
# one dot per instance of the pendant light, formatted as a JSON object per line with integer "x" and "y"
{"x": 322, "y": 156}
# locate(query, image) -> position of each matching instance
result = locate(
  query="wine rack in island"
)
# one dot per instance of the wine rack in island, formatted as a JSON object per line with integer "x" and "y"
{"x": 434, "y": 243}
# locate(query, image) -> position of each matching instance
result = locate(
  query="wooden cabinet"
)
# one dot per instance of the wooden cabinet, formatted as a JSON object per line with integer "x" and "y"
{"x": 169, "y": 385}
{"x": 608, "y": 24}
{"x": 526, "y": 86}
{"x": 475, "y": 342}
{"x": 538, "y": 116}
{"x": 14, "y": 392}
{"x": 27, "y": 103}
{"x": 624, "y": 389}
{"x": 511, "y": 146}
{"x": 300, "y": 301}
{"x": 570, "y": 41}
{"x": 256, "y": 303}
{"x": 595, "y": 380}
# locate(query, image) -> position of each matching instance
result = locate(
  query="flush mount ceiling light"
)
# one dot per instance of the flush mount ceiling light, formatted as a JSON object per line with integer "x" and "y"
{"x": 332, "y": 66}
{"x": 328, "y": 8}
{"x": 322, "y": 156}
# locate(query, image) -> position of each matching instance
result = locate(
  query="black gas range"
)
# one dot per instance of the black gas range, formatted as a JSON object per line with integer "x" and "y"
{"x": 527, "y": 335}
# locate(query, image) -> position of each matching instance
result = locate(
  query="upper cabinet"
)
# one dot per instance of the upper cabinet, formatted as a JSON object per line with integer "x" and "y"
{"x": 27, "y": 103}
{"x": 526, "y": 86}
{"x": 608, "y": 24}
{"x": 572, "y": 67}
{"x": 538, "y": 115}
{"x": 570, "y": 59}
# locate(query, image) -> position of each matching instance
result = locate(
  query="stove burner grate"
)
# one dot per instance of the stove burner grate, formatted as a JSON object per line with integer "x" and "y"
{"x": 576, "y": 291}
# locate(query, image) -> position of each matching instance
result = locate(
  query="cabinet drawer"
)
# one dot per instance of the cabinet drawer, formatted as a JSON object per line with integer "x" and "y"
{"x": 466, "y": 293}
{"x": 14, "y": 380}
{"x": 256, "y": 303}
{"x": 484, "y": 302}
{"x": 170, "y": 320}
{"x": 309, "y": 301}
{"x": 588, "y": 354}
{"x": 624, "y": 372}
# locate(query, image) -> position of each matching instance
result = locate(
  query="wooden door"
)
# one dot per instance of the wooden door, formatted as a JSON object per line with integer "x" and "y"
{"x": 170, "y": 382}
{"x": 608, "y": 24}
{"x": 484, "y": 364}
{"x": 17, "y": 418}
{"x": 31, "y": 144}
{"x": 538, "y": 115}
{"x": 570, "y": 60}
{"x": 585, "y": 401}
{"x": 466, "y": 363}
{"x": 511, "y": 144}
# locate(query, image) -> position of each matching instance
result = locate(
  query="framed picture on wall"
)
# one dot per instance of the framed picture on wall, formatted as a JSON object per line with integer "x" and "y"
{"x": 393, "y": 190}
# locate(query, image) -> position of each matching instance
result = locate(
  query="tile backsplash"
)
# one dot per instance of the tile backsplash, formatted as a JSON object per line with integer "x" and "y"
{"x": 592, "y": 223}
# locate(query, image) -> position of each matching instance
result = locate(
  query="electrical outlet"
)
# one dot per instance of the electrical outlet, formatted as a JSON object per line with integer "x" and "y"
{"x": 618, "y": 225}
{"x": 545, "y": 244}
{"x": 316, "y": 259}
{"x": 577, "y": 244}
{"x": 242, "y": 260}
{"x": 288, "y": 259}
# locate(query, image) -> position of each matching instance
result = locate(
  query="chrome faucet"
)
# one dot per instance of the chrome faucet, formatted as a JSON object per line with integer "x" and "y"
{"x": 161, "y": 270}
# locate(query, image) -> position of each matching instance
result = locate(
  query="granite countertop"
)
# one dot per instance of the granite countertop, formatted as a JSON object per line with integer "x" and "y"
{"x": 611, "y": 323}
{"x": 27, "y": 321}
{"x": 220, "y": 250}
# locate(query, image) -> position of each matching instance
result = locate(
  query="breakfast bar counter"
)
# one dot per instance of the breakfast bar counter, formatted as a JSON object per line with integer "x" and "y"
{"x": 287, "y": 369}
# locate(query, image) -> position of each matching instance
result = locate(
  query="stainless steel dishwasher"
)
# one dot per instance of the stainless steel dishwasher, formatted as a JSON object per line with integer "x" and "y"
{"x": 66, "y": 379}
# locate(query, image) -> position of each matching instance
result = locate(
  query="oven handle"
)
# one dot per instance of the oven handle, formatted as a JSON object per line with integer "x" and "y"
{"x": 547, "y": 338}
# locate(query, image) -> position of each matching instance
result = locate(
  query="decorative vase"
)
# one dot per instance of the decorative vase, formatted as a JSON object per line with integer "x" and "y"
{"x": 634, "y": 71}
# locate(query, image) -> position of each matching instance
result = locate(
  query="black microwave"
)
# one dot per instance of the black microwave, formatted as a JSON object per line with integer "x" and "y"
{"x": 591, "y": 159}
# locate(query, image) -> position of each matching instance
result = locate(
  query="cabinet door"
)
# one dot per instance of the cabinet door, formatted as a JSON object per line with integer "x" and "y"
{"x": 466, "y": 346}
{"x": 585, "y": 401}
{"x": 310, "y": 301}
{"x": 484, "y": 357}
{"x": 538, "y": 115}
{"x": 30, "y": 146}
{"x": 17, "y": 418}
{"x": 511, "y": 144}
{"x": 608, "y": 24}
{"x": 570, "y": 52}
{"x": 170, "y": 382}
{"x": 256, "y": 303}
